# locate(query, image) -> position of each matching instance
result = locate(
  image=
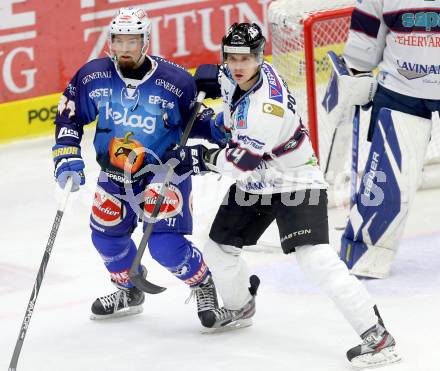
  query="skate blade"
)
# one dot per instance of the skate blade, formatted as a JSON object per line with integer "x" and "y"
{"x": 131, "y": 311}
{"x": 236, "y": 325}
{"x": 385, "y": 357}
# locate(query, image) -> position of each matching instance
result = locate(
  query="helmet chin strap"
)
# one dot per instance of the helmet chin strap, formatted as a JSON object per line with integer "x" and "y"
{"x": 143, "y": 52}
{"x": 255, "y": 74}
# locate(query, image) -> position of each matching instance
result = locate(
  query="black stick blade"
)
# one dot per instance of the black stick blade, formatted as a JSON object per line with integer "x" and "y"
{"x": 146, "y": 286}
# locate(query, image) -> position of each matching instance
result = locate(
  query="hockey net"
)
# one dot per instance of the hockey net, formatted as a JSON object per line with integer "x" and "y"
{"x": 302, "y": 33}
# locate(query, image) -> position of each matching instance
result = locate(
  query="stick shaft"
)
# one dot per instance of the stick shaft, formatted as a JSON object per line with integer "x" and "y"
{"x": 134, "y": 273}
{"x": 40, "y": 275}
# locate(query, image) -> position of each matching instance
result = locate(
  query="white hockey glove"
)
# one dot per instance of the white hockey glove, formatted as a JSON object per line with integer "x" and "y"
{"x": 346, "y": 89}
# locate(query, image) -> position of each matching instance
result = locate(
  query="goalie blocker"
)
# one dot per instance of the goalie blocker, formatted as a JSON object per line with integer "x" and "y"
{"x": 392, "y": 173}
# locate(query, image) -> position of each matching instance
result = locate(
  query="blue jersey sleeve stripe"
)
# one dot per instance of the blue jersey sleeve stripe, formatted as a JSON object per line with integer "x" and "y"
{"x": 365, "y": 23}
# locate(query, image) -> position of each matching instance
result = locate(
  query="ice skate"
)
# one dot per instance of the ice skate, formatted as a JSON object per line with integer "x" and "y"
{"x": 206, "y": 297}
{"x": 207, "y": 301}
{"x": 222, "y": 319}
{"x": 121, "y": 303}
{"x": 377, "y": 349}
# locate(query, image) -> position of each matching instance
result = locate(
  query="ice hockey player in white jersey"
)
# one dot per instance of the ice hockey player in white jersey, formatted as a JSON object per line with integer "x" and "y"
{"x": 277, "y": 178}
{"x": 402, "y": 39}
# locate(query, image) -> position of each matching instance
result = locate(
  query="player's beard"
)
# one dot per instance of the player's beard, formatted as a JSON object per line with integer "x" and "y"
{"x": 126, "y": 65}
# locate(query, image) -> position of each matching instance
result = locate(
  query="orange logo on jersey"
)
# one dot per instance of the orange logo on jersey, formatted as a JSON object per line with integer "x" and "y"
{"x": 121, "y": 154}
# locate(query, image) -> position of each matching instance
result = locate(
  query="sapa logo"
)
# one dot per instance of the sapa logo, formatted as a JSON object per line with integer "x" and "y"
{"x": 426, "y": 20}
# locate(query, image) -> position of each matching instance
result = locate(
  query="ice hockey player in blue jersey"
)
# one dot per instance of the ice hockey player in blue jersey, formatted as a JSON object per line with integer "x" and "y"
{"x": 142, "y": 104}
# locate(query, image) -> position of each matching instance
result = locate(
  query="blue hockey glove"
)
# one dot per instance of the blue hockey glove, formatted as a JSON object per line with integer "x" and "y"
{"x": 206, "y": 78}
{"x": 68, "y": 163}
{"x": 218, "y": 131}
{"x": 189, "y": 160}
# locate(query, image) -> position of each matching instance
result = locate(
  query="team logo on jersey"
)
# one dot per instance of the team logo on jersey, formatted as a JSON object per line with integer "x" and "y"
{"x": 171, "y": 206}
{"x": 130, "y": 97}
{"x": 275, "y": 88}
{"x": 126, "y": 153}
{"x": 107, "y": 210}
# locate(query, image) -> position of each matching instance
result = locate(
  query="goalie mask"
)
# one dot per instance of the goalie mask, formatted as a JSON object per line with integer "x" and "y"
{"x": 130, "y": 21}
{"x": 244, "y": 38}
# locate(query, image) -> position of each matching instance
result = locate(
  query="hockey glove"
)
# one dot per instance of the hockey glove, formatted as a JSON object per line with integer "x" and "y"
{"x": 355, "y": 88}
{"x": 207, "y": 80}
{"x": 68, "y": 163}
{"x": 189, "y": 160}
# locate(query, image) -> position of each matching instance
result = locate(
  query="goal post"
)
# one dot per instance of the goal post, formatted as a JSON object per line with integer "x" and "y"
{"x": 309, "y": 57}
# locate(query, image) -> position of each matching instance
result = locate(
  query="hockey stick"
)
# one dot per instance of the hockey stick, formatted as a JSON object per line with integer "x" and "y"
{"x": 354, "y": 161}
{"x": 135, "y": 276}
{"x": 354, "y": 156}
{"x": 31, "y": 305}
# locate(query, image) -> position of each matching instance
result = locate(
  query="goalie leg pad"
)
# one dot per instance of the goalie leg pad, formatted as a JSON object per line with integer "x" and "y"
{"x": 391, "y": 177}
{"x": 230, "y": 273}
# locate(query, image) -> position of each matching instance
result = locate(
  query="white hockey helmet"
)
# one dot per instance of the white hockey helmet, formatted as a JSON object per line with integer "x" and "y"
{"x": 131, "y": 21}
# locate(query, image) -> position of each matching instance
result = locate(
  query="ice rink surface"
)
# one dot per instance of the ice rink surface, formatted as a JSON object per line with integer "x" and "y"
{"x": 296, "y": 327}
